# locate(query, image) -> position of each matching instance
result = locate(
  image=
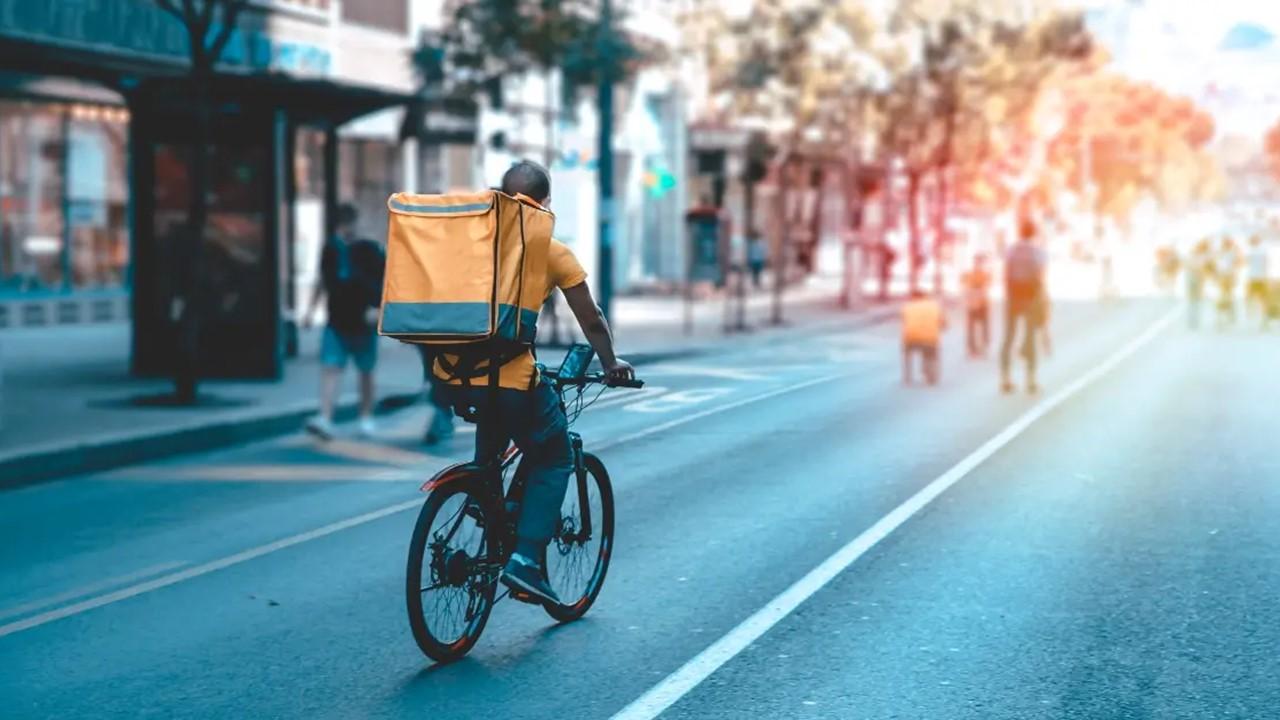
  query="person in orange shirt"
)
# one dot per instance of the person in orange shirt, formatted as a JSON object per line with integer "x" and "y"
{"x": 923, "y": 321}
{"x": 529, "y": 411}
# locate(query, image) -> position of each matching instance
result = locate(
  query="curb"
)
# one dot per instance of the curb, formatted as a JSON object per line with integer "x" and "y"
{"x": 57, "y": 461}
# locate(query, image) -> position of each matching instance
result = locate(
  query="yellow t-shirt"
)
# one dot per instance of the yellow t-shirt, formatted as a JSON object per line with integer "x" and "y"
{"x": 563, "y": 271}
{"x": 922, "y": 322}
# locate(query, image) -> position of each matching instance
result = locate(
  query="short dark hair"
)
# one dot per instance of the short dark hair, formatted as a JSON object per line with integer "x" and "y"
{"x": 346, "y": 215}
{"x": 1027, "y": 229}
{"x": 527, "y": 178}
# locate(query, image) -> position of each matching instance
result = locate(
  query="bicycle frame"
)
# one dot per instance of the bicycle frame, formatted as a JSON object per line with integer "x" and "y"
{"x": 486, "y": 481}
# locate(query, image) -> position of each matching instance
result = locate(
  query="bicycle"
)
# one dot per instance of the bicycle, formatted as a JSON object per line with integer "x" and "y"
{"x": 462, "y": 557}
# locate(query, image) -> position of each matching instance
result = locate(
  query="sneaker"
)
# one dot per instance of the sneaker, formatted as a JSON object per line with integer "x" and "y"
{"x": 367, "y": 427}
{"x": 1006, "y": 387}
{"x": 1032, "y": 387}
{"x": 524, "y": 577}
{"x": 321, "y": 427}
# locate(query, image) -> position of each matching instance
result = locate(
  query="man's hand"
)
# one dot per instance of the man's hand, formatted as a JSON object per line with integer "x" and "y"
{"x": 620, "y": 370}
{"x": 372, "y": 315}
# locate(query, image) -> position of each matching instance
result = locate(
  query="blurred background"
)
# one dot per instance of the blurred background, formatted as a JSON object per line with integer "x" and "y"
{"x": 730, "y": 156}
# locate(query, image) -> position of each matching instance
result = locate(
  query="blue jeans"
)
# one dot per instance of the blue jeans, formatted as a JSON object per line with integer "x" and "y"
{"x": 537, "y": 424}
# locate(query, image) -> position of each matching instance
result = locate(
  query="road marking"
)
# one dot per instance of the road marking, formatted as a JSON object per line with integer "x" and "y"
{"x": 273, "y": 472}
{"x": 205, "y": 569}
{"x": 678, "y": 400}
{"x": 710, "y": 371}
{"x": 678, "y": 684}
{"x": 90, "y": 588}
{"x": 663, "y": 427}
{"x": 374, "y": 453}
{"x": 250, "y": 554}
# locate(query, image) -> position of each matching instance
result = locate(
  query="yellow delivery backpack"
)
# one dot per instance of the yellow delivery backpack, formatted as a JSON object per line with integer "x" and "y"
{"x": 466, "y": 272}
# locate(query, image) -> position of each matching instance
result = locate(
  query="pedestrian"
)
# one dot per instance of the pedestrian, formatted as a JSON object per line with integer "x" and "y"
{"x": 1024, "y": 270}
{"x": 887, "y": 257}
{"x": 351, "y": 280}
{"x": 977, "y": 285}
{"x": 440, "y": 426}
{"x": 923, "y": 321}
{"x": 756, "y": 258}
{"x": 1272, "y": 309}
{"x": 1198, "y": 270}
{"x": 1255, "y": 291}
{"x": 1226, "y": 266}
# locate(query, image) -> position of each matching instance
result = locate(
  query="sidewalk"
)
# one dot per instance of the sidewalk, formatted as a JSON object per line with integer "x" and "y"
{"x": 69, "y": 405}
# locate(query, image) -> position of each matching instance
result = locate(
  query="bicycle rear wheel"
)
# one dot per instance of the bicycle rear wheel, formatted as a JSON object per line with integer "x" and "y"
{"x": 577, "y": 560}
{"x": 451, "y": 575}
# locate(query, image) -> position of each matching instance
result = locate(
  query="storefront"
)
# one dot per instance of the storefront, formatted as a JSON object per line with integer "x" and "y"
{"x": 95, "y": 123}
{"x": 64, "y": 233}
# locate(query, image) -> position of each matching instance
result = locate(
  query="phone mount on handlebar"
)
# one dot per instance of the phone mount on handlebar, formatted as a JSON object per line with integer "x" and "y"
{"x": 575, "y": 363}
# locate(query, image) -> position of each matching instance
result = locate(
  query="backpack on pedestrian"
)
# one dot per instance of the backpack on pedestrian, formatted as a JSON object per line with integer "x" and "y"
{"x": 460, "y": 275}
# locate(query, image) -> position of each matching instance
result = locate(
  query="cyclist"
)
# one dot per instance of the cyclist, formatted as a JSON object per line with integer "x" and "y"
{"x": 529, "y": 412}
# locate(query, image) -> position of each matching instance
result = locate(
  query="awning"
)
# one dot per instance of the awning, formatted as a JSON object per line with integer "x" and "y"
{"x": 57, "y": 88}
{"x": 306, "y": 100}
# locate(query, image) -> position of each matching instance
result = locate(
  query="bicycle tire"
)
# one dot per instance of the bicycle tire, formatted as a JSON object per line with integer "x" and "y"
{"x": 480, "y": 586}
{"x": 572, "y": 608}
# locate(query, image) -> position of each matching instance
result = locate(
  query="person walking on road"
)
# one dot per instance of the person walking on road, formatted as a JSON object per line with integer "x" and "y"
{"x": 1255, "y": 291}
{"x": 529, "y": 411}
{"x": 1198, "y": 269}
{"x": 1226, "y": 266}
{"x": 351, "y": 279}
{"x": 1024, "y": 270}
{"x": 923, "y": 321}
{"x": 977, "y": 291}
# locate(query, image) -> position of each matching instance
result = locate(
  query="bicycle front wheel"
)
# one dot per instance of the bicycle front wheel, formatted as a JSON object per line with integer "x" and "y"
{"x": 451, "y": 575}
{"x": 578, "y": 555}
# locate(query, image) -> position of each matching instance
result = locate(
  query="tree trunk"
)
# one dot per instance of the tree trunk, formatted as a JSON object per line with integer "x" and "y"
{"x": 913, "y": 226}
{"x": 187, "y": 370}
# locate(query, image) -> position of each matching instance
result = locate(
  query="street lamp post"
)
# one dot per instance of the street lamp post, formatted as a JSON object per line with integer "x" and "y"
{"x": 605, "y": 163}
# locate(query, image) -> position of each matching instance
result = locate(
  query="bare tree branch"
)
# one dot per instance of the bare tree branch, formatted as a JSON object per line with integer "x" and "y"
{"x": 171, "y": 7}
{"x": 231, "y": 10}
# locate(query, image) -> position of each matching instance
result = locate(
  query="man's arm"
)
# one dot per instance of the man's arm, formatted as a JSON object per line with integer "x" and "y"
{"x": 596, "y": 328}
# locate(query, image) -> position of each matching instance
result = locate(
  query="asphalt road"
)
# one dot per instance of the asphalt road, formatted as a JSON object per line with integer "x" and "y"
{"x": 1112, "y": 553}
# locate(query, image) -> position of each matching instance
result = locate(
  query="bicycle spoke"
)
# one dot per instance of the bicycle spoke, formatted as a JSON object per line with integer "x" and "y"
{"x": 450, "y": 604}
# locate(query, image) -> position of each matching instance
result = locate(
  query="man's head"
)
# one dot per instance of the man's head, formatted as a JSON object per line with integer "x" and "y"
{"x": 1255, "y": 241}
{"x": 528, "y": 178}
{"x": 345, "y": 222}
{"x": 1027, "y": 230}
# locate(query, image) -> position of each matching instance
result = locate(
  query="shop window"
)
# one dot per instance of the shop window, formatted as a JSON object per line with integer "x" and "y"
{"x": 63, "y": 197}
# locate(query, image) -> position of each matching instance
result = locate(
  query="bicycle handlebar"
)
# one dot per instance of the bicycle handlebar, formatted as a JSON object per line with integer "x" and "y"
{"x": 601, "y": 379}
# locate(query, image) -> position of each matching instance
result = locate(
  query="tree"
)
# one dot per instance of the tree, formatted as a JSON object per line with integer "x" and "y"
{"x": 489, "y": 40}
{"x": 1271, "y": 145}
{"x": 800, "y": 73}
{"x": 210, "y": 25}
{"x": 980, "y": 87}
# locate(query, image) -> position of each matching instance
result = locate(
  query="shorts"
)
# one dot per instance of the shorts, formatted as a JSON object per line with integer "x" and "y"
{"x": 336, "y": 347}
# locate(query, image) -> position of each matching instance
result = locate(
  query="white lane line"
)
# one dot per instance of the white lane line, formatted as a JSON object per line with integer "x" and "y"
{"x": 88, "y": 589}
{"x": 676, "y": 685}
{"x": 215, "y": 565}
{"x": 198, "y": 570}
{"x": 663, "y": 427}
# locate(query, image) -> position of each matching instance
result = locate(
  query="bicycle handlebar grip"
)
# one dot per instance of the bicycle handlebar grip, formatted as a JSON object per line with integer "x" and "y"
{"x": 633, "y": 384}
